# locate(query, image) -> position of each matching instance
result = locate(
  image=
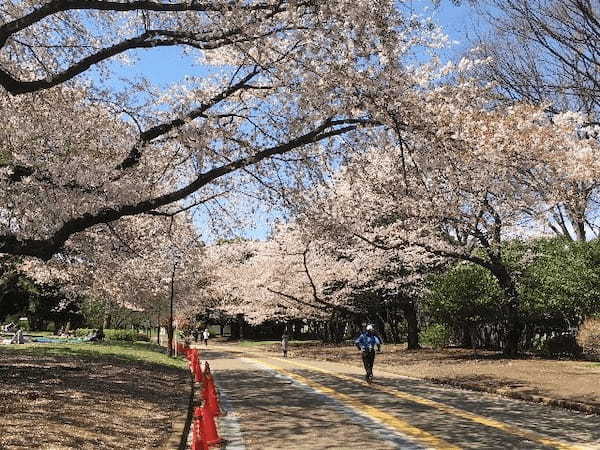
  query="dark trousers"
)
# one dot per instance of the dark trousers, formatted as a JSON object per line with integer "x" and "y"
{"x": 368, "y": 357}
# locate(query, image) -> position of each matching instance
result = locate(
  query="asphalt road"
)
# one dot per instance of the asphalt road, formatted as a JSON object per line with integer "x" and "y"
{"x": 305, "y": 404}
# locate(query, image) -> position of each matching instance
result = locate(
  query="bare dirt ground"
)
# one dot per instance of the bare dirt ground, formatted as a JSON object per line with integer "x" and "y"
{"x": 60, "y": 401}
{"x": 526, "y": 378}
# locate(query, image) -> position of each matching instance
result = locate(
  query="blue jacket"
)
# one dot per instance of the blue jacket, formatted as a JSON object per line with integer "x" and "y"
{"x": 367, "y": 342}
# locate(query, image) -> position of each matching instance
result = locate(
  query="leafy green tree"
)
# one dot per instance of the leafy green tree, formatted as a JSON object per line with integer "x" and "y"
{"x": 561, "y": 285}
{"x": 558, "y": 281}
{"x": 464, "y": 298}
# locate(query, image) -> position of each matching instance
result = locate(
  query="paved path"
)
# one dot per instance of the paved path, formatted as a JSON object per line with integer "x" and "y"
{"x": 306, "y": 404}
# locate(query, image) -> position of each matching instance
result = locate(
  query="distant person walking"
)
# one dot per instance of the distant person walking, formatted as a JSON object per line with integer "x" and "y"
{"x": 366, "y": 343}
{"x": 284, "y": 344}
{"x": 205, "y": 336}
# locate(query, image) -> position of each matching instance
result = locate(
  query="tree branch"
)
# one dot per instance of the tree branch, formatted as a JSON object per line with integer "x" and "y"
{"x": 46, "y": 248}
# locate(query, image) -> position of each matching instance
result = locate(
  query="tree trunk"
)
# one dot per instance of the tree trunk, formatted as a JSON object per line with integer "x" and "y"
{"x": 514, "y": 322}
{"x": 394, "y": 332}
{"x": 467, "y": 342}
{"x": 170, "y": 339}
{"x": 514, "y": 330}
{"x": 410, "y": 314}
{"x": 107, "y": 321}
{"x": 158, "y": 330}
{"x": 240, "y": 319}
{"x": 380, "y": 327}
{"x": 170, "y": 325}
{"x": 297, "y": 329}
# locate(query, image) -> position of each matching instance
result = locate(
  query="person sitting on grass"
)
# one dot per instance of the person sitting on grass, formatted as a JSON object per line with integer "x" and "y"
{"x": 366, "y": 343}
{"x": 18, "y": 337}
{"x": 95, "y": 336}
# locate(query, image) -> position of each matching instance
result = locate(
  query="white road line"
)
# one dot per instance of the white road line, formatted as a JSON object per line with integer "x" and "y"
{"x": 387, "y": 434}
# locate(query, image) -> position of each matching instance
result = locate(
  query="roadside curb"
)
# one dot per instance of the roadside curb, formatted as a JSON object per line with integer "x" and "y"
{"x": 555, "y": 402}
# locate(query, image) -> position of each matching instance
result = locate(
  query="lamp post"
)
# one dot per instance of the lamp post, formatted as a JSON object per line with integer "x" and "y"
{"x": 175, "y": 258}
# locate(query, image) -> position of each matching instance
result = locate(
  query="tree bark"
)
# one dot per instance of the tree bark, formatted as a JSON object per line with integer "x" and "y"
{"x": 107, "y": 321}
{"x": 170, "y": 325}
{"x": 380, "y": 326}
{"x": 410, "y": 314}
{"x": 240, "y": 319}
{"x": 467, "y": 342}
{"x": 514, "y": 330}
{"x": 514, "y": 322}
{"x": 158, "y": 330}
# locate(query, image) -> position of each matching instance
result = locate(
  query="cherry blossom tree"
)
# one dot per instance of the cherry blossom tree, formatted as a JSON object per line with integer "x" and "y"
{"x": 280, "y": 81}
{"x": 339, "y": 281}
{"x": 283, "y": 279}
{"x": 543, "y": 52}
{"x": 460, "y": 185}
{"x": 144, "y": 263}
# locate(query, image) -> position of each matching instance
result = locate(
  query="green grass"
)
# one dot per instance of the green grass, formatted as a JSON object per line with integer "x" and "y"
{"x": 137, "y": 352}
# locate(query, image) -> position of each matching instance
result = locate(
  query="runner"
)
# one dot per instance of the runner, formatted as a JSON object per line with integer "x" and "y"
{"x": 205, "y": 335}
{"x": 366, "y": 343}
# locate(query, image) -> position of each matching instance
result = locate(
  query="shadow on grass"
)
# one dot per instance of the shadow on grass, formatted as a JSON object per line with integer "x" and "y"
{"x": 141, "y": 353}
{"x": 89, "y": 395}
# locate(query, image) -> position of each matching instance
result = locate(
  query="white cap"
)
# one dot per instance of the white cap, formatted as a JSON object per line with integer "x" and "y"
{"x": 369, "y": 327}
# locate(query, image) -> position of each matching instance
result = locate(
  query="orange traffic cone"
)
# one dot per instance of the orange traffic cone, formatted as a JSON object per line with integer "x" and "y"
{"x": 194, "y": 363}
{"x": 209, "y": 429}
{"x": 196, "y": 368}
{"x": 198, "y": 441}
{"x": 211, "y": 398}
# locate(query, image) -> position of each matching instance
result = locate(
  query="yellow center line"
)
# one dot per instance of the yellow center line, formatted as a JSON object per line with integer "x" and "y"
{"x": 511, "y": 429}
{"x": 417, "y": 434}
{"x": 492, "y": 423}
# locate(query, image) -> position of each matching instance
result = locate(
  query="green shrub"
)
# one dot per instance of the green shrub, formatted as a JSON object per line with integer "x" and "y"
{"x": 82, "y": 332}
{"x": 436, "y": 336}
{"x": 561, "y": 345}
{"x": 125, "y": 335}
{"x": 115, "y": 335}
{"x": 588, "y": 336}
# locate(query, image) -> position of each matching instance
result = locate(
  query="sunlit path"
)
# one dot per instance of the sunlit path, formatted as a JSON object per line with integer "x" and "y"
{"x": 289, "y": 403}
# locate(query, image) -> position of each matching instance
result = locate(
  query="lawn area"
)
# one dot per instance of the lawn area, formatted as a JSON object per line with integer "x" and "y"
{"x": 89, "y": 395}
{"x": 141, "y": 352}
